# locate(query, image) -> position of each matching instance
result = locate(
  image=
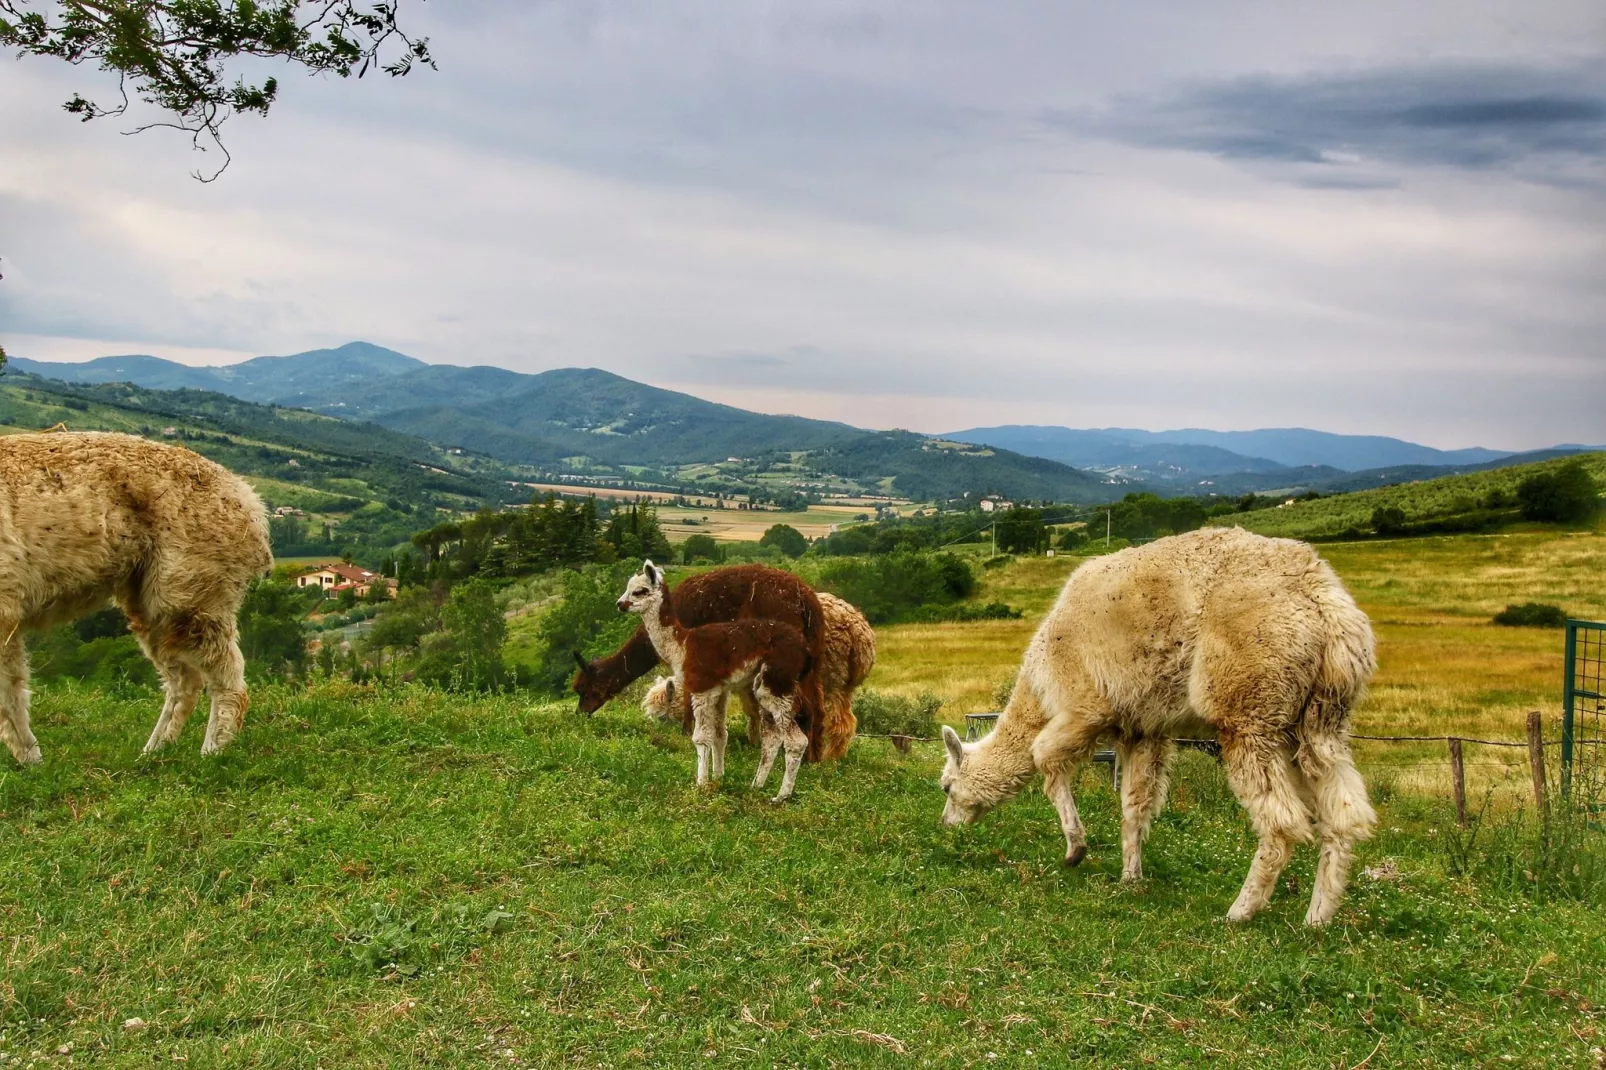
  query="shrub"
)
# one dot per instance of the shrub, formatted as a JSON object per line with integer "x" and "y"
{"x": 889, "y": 587}
{"x": 1564, "y": 496}
{"x": 468, "y": 653}
{"x": 888, "y": 715}
{"x": 963, "y": 612}
{"x": 1388, "y": 520}
{"x": 702, "y": 548}
{"x": 271, "y": 634}
{"x": 1531, "y": 615}
{"x": 787, "y": 539}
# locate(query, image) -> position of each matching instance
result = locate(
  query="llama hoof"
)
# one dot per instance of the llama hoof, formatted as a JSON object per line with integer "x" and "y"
{"x": 779, "y": 800}
{"x": 1238, "y": 915}
{"x": 31, "y": 756}
{"x": 1074, "y": 856}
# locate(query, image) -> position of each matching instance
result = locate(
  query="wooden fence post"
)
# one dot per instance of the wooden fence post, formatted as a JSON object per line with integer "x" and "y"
{"x": 1536, "y": 757}
{"x": 1458, "y": 778}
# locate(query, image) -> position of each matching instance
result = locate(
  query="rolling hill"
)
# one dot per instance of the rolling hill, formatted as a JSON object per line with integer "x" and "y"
{"x": 591, "y": 422}
{"x": 1432, "y": 499}
{"x": 1306, "y": 456}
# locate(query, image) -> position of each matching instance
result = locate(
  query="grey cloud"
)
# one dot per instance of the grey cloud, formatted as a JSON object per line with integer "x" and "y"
{"x": 1357, "y": 129}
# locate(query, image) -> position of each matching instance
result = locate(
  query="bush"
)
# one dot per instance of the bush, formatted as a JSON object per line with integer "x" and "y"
{"x": 1531, "y": 615}
{"x": 785, "y": 538}
{"x": 271, "y": 634}
{"x": 701, "y": 548}
{"x": 889, "y": 715}
{"x": 1564, "y": 496}
{"x": 1388, "y": 520}
{"x": 467, "y": 653}
{"x": 889, "y": 587}
{"x": 963, "y": 612}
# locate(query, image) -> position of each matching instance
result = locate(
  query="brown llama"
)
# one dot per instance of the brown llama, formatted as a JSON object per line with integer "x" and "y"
{"x": 712, "y": 660}
{"x": 1217, "y": 630}
{"x": 169, "y": 536}
{"x": 848, "y": 657}
{"x": 721, "y": 595}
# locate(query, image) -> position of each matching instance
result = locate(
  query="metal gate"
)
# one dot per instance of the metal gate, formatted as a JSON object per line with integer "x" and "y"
{"x": 1583, "y": 697}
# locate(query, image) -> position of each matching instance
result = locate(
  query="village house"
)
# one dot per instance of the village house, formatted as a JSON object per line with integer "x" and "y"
{"x": 333, "y": 579}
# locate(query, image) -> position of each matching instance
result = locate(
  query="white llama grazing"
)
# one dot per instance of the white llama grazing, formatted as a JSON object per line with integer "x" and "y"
{"x": 169, "y": 536}
{"x": 1216, "y": 630}
{"x": 713, "y": 660}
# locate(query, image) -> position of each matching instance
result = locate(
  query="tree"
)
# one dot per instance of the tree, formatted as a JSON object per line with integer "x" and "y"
{"x": 182, "y": 56}
{"x": 702, "y": 547}
{"x": 785, "y": 538}
{"x": 1564, "y": 496}
{"x": 1388, "y": 520}
{"x": 271, "y": 637}
{"x": 471, "y": 653}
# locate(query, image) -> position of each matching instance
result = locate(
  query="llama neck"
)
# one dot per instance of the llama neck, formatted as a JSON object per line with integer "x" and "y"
{"x": 666, "y": 633}
{"x": 1001, "y": 764}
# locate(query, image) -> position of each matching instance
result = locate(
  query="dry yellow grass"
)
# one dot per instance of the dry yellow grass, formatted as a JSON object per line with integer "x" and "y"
{"x": 1444, "y": 668}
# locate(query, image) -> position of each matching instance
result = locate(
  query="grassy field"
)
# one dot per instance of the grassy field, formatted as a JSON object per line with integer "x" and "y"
{"x": 405, "y": 879}
{"x": 1444, "y": 668}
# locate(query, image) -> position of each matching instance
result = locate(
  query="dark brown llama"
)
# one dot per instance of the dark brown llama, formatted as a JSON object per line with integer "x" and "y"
{"x": 721, "y": 596}
{"x": 713, "y": 660}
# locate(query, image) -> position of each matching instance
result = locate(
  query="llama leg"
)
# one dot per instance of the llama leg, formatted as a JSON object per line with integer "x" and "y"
{"x": 1145, "y": 776}
{"x": 1059, "y": 750}
{"x": 796, "y": 742}
{"x": 1261, "y": 773}
{"x": 771, "y": 744}
{"x": 705, "y": 708}
{"x": 14, "y": 702}
{"x": 755, "y": 716}
{"x": 721, "y": 736}
{"x": 782, "y": 710}
{"x": 181, "y": 684}
{"x": 209, "y": 643}
{"x": 1344, "y": 816}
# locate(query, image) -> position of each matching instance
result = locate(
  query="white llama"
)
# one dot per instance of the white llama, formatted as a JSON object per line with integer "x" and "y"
{"x": 1217, "y": 630}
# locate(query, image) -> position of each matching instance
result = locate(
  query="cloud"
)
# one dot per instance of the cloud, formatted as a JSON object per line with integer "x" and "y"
{"x": 855, "y": 209}
{"x": 1363, "y": 128}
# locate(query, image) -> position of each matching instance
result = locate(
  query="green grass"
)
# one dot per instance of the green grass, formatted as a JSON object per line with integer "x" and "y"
{"x": 408, "y": 879}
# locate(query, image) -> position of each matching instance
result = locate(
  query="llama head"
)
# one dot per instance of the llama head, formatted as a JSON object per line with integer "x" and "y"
{"x": 659, "y": 701}
{"x": 967, "y": 799}
{"x": 588, "y": 685}
{"x": 645, "y": 591}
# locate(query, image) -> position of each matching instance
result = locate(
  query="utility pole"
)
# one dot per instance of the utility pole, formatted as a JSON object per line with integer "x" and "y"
{"x": 1106, "y": 529}
{"x": 994, "y": 527}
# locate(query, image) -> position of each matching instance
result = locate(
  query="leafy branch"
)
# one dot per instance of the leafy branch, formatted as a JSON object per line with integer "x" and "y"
{"x": 175, "y": 54}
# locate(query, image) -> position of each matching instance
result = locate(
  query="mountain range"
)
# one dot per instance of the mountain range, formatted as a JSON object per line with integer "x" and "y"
{"x": 574, "y": 417}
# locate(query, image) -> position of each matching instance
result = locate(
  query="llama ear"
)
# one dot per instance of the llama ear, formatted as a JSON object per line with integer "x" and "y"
{"x": 650, "y": 570}
{"x": 669, "y": 690}
{"x": 956, "y": 749}
{"x": 579, "y": 659}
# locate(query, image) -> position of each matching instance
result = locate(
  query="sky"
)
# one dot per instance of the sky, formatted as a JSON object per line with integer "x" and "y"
{"x": 1369, "y": 217}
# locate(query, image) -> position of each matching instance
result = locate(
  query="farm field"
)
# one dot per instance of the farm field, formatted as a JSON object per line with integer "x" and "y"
{"x": 1443, "y": 667}
{"x": 741, "y": 525}
{"x": 404, "y": 878}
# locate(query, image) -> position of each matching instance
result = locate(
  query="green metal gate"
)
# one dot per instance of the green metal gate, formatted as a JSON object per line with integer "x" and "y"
{"x": 1583, "y": 696}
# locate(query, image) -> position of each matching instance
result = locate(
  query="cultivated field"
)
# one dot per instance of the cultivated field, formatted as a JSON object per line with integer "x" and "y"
{"x": 742, "y": 525}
